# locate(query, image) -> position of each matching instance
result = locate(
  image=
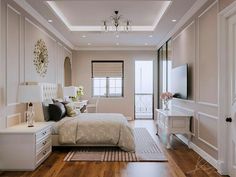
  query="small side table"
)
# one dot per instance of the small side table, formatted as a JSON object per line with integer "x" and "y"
{"x": 173, "y": 122}
{"x": 81, "y": 104}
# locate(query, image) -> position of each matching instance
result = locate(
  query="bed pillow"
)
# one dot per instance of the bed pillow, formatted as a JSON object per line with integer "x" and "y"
{"x": 57, "y": 111}
{"x": 45, "y": 106}
{"x": 71, "y": 110}
{"x": 57, "y": 100}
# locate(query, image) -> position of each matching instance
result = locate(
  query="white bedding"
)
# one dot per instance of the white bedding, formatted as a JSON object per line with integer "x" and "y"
{"x": 96, "y": 128}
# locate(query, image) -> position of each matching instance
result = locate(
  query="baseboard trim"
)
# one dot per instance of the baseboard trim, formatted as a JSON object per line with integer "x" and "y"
{"x": 200, "y": 152}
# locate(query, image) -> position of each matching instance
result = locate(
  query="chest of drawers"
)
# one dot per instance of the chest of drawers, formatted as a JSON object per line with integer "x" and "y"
{"x": 25, "y": 148}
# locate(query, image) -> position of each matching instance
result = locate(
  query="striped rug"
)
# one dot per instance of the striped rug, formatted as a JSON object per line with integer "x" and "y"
{"x": 146, "y": 150}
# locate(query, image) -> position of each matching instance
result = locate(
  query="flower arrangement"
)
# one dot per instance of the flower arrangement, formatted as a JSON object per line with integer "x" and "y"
{"x": 166, "y": 96}
{"x": 80, "y": 91}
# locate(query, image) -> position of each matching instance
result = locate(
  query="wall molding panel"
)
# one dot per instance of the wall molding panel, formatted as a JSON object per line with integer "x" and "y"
{"x": 13, "y": 119}
{"x": 13, "y": 54}
{"x": 206, "y": 17}
{"x": 200, "y": 116}
{"x": 19, "y": 34}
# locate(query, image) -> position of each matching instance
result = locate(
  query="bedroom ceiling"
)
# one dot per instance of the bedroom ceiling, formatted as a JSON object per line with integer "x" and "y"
{"x": 80, "y": 21}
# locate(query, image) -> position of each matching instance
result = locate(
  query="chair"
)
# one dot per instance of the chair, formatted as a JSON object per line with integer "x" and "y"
{"x": 93, "y": 107}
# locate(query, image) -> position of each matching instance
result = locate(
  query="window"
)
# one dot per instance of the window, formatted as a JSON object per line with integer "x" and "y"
{"x": 107, "y": 78}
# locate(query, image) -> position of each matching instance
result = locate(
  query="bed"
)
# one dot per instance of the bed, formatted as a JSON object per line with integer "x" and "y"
{"x": 88, "y": 129}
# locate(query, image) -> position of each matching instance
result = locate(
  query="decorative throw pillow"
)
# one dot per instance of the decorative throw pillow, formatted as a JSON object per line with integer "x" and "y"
{"x": 57, "y": 111}
{"x": 45, "y": 106}
{"x": 57, "y": 100}
{"x": 71, "y": 110}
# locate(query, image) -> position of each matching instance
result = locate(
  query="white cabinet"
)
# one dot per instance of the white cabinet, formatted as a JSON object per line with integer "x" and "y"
{"x": 173, "y": 122}
{"x": 25, "y": 148}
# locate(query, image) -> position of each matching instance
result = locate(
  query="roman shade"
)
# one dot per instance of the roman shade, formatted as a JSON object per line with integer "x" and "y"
{"x": 107, "y": 68}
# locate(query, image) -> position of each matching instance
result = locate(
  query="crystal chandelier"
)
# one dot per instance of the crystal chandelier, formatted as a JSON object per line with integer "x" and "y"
{"x": 116, "y": 23}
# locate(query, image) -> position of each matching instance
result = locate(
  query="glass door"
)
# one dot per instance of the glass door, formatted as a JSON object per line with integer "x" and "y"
{"x": 143, "y": 89}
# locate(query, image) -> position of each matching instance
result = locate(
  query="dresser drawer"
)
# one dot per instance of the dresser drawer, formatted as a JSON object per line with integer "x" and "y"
{"x": 43, "y": 154}
{"x": 42, "y": 134}
{"x": 43, "y": 143}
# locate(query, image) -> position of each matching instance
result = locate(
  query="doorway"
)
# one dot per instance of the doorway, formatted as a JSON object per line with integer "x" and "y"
{"x": 143, "y": 89}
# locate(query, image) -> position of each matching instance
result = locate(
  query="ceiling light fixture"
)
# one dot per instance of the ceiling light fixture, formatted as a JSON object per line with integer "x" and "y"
{"x": 89, "y": 43}
{"x": 117, "y": 43}
{"x": 174, "y": 20}
{"x": 146, "y": 43}
{"x": 150, "y": 36}
{"x": 49, "y": 21}
{"x": 84, "y": 36}
{"x": 116, "y": 23}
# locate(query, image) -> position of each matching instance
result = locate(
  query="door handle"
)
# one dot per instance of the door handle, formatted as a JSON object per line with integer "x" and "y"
{"x": 228, "y": 119}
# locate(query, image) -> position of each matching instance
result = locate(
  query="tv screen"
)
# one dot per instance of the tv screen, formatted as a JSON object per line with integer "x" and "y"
{"x": 179, "y": 86}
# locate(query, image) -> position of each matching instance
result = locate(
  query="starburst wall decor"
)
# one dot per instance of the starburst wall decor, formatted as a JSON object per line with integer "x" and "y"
{"x": 41, "y": 57}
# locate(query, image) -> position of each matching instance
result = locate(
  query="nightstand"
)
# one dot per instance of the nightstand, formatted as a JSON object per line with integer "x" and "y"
{"x": 25, "y": 148}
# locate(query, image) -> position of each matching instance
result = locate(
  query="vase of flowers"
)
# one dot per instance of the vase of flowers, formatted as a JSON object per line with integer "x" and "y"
{"x": 166, "y": 97}
{"x": 80, "y": 92}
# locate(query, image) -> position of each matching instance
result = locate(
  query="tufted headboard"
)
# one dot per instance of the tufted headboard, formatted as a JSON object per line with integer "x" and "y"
{"x": 50, "y": 90}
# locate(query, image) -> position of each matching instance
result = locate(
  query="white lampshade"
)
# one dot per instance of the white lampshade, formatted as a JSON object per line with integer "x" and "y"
{"x": 30, "y": 93}
{"x": 69, "y": 91}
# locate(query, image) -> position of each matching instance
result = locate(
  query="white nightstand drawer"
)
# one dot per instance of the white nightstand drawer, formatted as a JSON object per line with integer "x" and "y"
{"x": 42, "y": 134}
{"x": 43, "y": 143}
{"x": 43, "y": 154}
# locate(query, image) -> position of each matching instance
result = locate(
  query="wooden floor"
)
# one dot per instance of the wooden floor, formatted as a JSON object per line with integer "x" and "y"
{"x": 182, "y": 162}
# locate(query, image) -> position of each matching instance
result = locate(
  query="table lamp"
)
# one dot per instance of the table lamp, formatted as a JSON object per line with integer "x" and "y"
{"x": 69, "y": 91}
{"x": 30, "y": 94}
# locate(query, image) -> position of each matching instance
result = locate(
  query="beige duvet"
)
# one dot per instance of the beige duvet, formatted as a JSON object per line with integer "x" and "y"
{"x": 97, "y": 128}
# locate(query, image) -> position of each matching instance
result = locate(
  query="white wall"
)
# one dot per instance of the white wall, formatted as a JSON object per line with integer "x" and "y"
{"x": 81, "y": 75}
{"x": 19, "y": 33}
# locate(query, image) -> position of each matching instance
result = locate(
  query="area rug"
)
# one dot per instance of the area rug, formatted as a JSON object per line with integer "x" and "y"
{"x": 146, "y": 150}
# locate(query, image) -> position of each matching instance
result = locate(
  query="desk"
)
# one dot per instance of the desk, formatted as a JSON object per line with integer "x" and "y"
{"x": 173, "y": 122}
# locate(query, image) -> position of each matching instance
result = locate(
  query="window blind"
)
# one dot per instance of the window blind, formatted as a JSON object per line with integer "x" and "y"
{"x": 107, "y": 68}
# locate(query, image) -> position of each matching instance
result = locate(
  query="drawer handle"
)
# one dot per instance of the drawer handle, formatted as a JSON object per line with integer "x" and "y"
{"x": 44, "y": 152}
{"x": 45, "y": 142}
{"x": 44, "y": 133}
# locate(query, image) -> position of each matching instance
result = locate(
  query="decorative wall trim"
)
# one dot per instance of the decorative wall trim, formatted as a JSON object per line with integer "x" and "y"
{"x": 19, "y": 52}
{"x": 68, "y": 50}
{"x": 208, "y": 104}
{"x": 23, "y": 4}
{"x": 200, "y": 152}
{"x": 197, "y": 5}
{"x": 201, "y": 138}
{"x": 13, "y": 119}
{"x": 153, "y": 48}
{"x": 185, "y": 28}
{"x": 198, "y": 60}
{"x": 13, "y": 104}
{"x": 208, "y": 8}
{"x": 190, "y": 111}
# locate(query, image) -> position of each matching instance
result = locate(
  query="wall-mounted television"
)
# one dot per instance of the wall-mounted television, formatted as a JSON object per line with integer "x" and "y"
{"x": 179, "y": 82}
